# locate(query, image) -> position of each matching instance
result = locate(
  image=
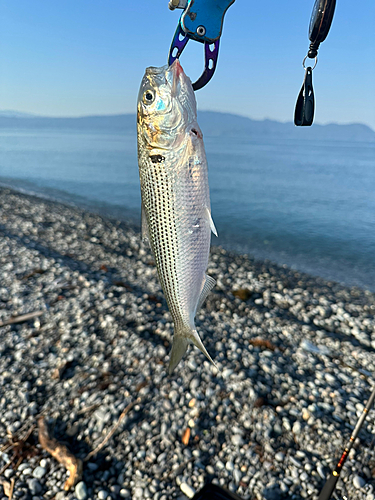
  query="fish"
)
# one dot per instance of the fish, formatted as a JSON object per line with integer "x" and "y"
{"x": 176, "y": 209}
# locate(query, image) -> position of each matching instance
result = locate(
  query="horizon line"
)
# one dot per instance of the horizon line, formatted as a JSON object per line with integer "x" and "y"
{"x": 26, "y": 115}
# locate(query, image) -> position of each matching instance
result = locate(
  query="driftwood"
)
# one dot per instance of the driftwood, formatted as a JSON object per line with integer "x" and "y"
{"x": 86, "y": 409}
{"x": 21, "y": 318}
{"x": 20, "y": 448}
{"x": 263, "y": 343}
{"x": 8, "y": 487}
{"x": 61, "y": 453}
{"x": 59, "y": 371}
{"x": 113, "y": 430}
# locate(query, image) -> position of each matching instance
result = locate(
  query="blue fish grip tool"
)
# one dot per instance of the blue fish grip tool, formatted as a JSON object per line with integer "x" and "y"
{"x": 202, "y": 21}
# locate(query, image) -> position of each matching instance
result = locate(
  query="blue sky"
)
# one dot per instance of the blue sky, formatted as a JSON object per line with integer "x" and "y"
{"x": 80, "y": 57}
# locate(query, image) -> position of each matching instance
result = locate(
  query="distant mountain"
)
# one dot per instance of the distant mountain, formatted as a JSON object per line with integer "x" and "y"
{"x": 101, "y": 122}
{"x": 17, "y": 114}
{"x": 211, "y": 122}
{"x": 220, "y": 124}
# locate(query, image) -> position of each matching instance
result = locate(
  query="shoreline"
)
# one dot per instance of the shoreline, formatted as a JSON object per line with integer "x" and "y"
{"x": 294, "y": 352}
{"x": 129, "y": 219}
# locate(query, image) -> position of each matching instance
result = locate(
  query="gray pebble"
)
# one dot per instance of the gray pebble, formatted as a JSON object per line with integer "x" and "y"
{"x": 81, "y": 491}
{"x": 187, "y": 490}
{"x": 124, "y": 493}
{"x": 321, "y": 471}
{"x": 237, "y": 475}
{"x": 104, "y": 314}
{"x": 138, "y": 492}
{"x": 39, "y": 472}
{"x": 358, "y": 482}
{"x": 34, "y": 486}
{"x": 194, "y": 384}
{"x": 60, "y": 495}
{"x": 237, "y": 440}
{"x": 295, "y": 462}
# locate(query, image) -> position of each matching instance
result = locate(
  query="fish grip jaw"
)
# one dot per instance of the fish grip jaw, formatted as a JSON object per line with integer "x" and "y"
{"x": 211, "y": 53}
{"x": 202, "y": 21}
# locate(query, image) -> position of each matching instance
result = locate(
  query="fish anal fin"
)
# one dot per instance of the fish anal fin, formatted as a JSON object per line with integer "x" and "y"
{"x": 207, "y": 287}
{"x": 145, "y": 233}
{"x": 212, "y": 225}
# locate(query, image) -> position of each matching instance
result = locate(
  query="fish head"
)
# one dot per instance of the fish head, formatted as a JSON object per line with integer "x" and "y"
{"x": 166, "y": 106}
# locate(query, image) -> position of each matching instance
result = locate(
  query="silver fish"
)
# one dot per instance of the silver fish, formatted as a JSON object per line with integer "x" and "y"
{"x": 176, "y": 211}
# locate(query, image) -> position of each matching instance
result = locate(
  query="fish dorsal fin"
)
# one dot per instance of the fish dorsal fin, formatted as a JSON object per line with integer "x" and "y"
{"x": 145, "y": 233}
{"x": 207, "y": 287}
{"x": 212, "y": 225}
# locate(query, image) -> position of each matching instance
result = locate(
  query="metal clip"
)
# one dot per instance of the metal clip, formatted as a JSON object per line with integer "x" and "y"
{"x": 202, "y": 21}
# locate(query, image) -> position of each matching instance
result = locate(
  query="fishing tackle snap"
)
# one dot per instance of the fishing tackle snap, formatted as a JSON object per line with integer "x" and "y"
{"x": 320, "y": 23}
{"x": 305, "y": 106}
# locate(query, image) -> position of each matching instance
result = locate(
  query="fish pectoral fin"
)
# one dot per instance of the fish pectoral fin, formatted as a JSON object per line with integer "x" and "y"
{"x": 212, "y": 225}
{"x": 207, "y": 287}
{"x": 145, "y": 233}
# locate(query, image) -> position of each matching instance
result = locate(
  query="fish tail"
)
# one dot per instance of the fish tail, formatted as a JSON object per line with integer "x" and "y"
{"x": 181, "y": 340}
{"x": 179, "y": 347}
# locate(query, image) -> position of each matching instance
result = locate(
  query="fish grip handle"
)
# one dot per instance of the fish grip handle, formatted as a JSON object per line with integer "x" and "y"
{"x": 329, "y": 487}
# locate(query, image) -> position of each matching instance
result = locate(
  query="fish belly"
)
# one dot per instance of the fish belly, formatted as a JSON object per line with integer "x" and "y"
{"x": 175, "y": 198}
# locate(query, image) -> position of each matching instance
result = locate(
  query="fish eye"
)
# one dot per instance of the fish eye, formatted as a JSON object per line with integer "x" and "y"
{"x": 148, "y": 97}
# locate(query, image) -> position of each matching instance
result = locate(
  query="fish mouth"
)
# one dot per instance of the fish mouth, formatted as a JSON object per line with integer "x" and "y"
{"x": 177, "y": 71}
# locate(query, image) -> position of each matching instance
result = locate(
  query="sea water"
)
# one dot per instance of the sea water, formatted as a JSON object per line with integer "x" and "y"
{"x": 311, "y": 207}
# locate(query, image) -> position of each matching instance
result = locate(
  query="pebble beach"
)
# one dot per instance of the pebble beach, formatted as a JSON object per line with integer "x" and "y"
{"x": 294, "y": 355}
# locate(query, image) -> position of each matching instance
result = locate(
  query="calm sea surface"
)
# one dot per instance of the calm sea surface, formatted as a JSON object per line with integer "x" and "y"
{"x": 311, "y": 207}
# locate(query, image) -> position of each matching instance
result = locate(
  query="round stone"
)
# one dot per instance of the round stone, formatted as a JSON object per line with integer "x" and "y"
{"x": 39, "y": 472}
{"x": 237, "y": 440}
{"x": 60, "y": 495}
{"x": 81, "y": 490}
{"x": 321, "y": 471}
{"x": 229, "y": 465}
{"x": 187, "y": 490}
{"x": 194, "y": 384}
{"x": 34, "y": 486}
{"x": 358, "y": 482}
{"x": 138, "y": 492}
{"x": 124, "y": 493}
{"x": 237, "y": 475}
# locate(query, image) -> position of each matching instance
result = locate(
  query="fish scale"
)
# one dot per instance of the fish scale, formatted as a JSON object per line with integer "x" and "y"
{"x": 176, "y": 215}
